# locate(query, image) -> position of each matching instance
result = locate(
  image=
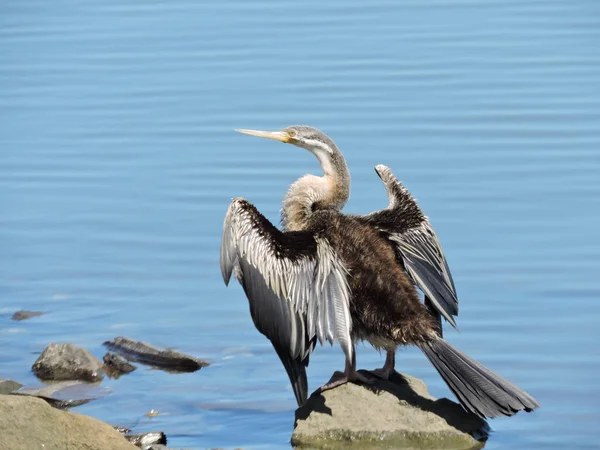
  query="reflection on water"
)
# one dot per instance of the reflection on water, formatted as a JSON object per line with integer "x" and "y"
{"x": 118, "y": 161}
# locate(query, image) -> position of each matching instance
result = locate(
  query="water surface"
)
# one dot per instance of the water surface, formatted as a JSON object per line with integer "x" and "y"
{"x": 118, "y": 162}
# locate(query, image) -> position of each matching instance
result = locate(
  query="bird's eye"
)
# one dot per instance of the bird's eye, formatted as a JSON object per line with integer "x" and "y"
{"x": 292, "y": 133}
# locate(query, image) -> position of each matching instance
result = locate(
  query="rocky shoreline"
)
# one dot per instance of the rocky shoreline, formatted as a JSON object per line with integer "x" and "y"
{"x": 37, "y": 417}
{"x": 395, "y": 413}
{"x": 399, "y": 413}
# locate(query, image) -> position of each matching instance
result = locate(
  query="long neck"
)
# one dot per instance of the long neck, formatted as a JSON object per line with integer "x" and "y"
{"x": 311, "y": 193}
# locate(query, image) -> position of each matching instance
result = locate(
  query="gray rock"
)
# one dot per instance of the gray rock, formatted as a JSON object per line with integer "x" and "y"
{"x": 30, "y": 423}
{"x": 68, "y": 362}
{"x": 399, "y": 413}
{"x": 64, "y": 394}
{"x": 161, "y": 447}
{"x": 8, "y": 386}
{"x": 24, "y": 315}
{"x": 116, "y": 365}
{"x": 146, "y": 440}
{"x": 142, "y": 352}
{"x": 121, "y": 429}
{"x": 164, "y": 447}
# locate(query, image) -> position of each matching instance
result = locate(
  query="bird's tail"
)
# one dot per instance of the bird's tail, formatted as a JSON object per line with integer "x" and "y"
{"x": 296, "y": 370}
{"x": 478, "y": 389}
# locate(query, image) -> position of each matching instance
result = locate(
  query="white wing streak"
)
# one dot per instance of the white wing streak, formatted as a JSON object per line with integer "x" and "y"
{"x": 295, "y": 283}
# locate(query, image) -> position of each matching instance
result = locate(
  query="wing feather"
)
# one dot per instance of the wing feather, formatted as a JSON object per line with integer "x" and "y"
{"x": 417, "y": 244}
{"x": 296, "y": 284}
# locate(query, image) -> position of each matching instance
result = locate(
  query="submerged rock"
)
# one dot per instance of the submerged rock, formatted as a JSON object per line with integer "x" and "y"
{"x": 399, "y": 413}
{"x": 64, "y": 394}
{"x": 30, "y": 423}
{"x": 24, "y": 315}
{"x": 116, "y": 365}
{"x": 144, "y": 353}
{"x": 8, "y": 386}
{"x": 68, "y": 362}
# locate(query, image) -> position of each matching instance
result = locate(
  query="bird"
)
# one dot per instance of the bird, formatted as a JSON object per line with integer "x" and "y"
{"x": 328, "y": 276}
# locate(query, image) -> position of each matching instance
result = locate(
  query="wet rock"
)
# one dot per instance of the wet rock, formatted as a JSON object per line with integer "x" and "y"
{"x": 30, "y": 423}
{"x": 116, "y": 365}
{"x": 122, "y": 430}
{"x": 68, "y": 362}
{"x": 8, "y": 386}
{"x": 145, "y": 440}
{"x": 164, "y": 447}
{"x": 61, "y": 404}
{"x": 399, "y": 413}
{"x": 24, "y": 315}
{"x": 64, "y": 394}
{"x": 144, "y": 353}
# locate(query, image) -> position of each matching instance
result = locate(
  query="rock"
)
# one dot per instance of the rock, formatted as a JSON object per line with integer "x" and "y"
{"x": 121, "y": 429}
{"x": 164, "y": 447}
{"x": 64, "y": 394}
{"x": 30, "y": 423}
{"x": 144, "y": 353}
{"x": 219, "y": 448}
{"x": 68, "y": 362}
{"x": 399, "y": 413}
{"x": 8, "y": 386}
{"x": 24, "y": 315}
{"x": 145, "y": 440}
{"x": 116, "y": 365}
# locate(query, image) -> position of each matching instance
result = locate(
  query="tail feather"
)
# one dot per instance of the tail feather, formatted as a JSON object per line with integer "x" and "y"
{"x": 296, "y": 370}
{"x": 478, "y": 389}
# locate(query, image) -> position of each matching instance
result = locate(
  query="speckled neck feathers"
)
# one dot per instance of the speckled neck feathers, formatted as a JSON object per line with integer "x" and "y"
{"x": 311, "y": 193}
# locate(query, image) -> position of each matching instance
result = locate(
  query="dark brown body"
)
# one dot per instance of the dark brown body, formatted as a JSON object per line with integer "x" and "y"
{"x": 384, "y": 304}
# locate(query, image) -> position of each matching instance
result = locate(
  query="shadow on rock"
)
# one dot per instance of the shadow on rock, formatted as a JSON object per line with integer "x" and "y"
{"x": 407, "y": 389}
{"x": 317, "y": 405}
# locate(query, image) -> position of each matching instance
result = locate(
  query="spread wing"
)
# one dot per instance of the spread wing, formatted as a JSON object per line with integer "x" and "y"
{"x": 295, "y": 283}
{"x": 409, "y": 229}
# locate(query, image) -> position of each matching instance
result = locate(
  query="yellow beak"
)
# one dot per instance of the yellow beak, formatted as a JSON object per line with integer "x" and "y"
{"x": 276, "y": 135}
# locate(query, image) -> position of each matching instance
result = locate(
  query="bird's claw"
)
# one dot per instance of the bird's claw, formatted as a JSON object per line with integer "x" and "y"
{"x": 340, "y": 378}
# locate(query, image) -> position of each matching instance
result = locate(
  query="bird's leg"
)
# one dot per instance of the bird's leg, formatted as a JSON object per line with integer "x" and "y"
{"x": 349, "y": 375}
{"x": 388, "y": 368}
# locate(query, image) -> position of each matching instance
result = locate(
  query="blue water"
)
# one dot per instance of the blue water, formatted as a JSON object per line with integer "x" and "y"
{"x": 118, "y": 161}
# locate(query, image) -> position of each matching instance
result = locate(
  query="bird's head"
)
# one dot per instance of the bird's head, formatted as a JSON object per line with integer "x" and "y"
{"x": 331, "y": 190}
{"x": 303, "y": 136}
